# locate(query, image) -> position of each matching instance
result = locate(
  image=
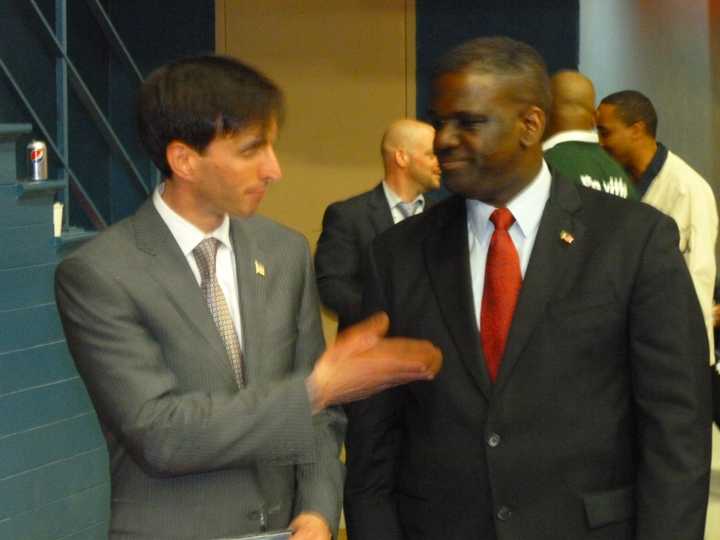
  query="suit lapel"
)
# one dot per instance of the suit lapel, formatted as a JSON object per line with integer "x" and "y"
{"x": 252, "y": 286}
{"x": 168, "y": 267}
{"x": 380, "y": 214}
{"x": 448, "y": 265}
{"x": 551, "y": 258}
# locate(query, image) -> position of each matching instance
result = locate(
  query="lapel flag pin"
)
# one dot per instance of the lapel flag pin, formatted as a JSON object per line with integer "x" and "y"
{"x": 566, "y": 237}
{"x": 259, "y": 268}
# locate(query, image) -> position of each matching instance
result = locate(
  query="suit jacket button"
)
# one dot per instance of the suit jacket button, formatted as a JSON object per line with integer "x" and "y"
{"x": 504, "y": 513}
{"x": 493, "y": 440}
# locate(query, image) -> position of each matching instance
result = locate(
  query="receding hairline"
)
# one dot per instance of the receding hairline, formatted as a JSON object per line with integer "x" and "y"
{"x": 403, "y": 133}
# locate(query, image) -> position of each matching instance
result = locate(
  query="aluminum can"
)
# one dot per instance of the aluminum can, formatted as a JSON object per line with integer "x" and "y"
{"x": 37, "y": 160}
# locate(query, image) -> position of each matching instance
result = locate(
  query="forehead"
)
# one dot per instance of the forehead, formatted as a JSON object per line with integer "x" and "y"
{"x": 425, "y": 136}
{"x": 607, "y": 115}
{"x": 469, "y": 92}
{"x": 265, "y": 130}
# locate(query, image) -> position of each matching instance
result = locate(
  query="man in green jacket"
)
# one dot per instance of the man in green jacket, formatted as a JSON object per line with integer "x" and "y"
{"x": 571, "y": 146}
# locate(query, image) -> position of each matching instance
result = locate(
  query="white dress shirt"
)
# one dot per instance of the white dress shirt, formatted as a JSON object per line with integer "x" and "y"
{"x": 393, "y": 201}
{"x": 527, "y": 208}
{"x": 188, "y": 236}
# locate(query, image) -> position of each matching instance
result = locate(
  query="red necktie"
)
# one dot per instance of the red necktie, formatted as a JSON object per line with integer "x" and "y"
{"x": 500, "y": 293}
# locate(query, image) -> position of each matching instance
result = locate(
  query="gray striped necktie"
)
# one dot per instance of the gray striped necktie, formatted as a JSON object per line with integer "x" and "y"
{"x": 204, "y": 254}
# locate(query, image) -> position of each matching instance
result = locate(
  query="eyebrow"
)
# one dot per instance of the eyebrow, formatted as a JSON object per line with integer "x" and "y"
{"x": 254, "y": 142}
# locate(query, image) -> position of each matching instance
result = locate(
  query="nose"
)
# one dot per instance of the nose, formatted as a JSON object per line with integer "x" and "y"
{"x": 445, "y": 135}
{"x": 270, "y": 168}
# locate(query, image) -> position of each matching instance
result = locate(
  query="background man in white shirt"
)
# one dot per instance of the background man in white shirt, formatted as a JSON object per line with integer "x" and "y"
{"x": 627, "y": 126}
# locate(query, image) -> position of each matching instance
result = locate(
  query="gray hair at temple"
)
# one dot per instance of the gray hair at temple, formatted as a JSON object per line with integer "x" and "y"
{"x": 503, "y": 57}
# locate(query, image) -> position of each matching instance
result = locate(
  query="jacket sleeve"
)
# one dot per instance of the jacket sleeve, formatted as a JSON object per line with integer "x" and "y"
{"x": 338, "y": 265}
{"x": 373, "y": 445}
{"x": 671, "y": 391}
{"x": 700, "y": 251}
{"x": 320, "y": 483}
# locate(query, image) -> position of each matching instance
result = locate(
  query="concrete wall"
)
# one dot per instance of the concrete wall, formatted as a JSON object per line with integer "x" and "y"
{"x": 663, "y": 49}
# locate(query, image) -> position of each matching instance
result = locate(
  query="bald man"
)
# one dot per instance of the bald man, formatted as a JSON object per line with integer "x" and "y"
{"x": 411, "y": 170}
{"x": 571, "y": 147}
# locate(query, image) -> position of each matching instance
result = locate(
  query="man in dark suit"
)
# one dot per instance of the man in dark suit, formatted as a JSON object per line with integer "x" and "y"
{"x": 411, "y": 170}
{"x": 195, "y": 326}
{"x": 573, "y": 402}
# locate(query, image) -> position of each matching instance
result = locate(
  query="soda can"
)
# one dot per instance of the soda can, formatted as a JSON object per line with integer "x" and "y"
{"x": 37, "y": 160}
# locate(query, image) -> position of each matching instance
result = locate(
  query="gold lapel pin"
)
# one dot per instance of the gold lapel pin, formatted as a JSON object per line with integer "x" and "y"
{"x": 566, "y": 237}
{"x": 259, "y": 268}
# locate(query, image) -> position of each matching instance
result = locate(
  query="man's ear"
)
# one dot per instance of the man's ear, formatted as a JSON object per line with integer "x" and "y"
{"x": 533, "y": 120}
{"x": 401, "y": 157}
{"x": 182, "y": 159}
{"x": 638, "y": 130}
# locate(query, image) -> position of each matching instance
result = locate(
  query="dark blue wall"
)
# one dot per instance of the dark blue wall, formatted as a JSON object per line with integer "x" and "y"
{"x": 155, "y": 33}
{"x": 551, "y": 26}
{"x": 152, "y": 33}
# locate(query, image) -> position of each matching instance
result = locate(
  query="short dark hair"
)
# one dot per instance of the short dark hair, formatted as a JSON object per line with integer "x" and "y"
{"x": 197, "y": 98}
{"x": 504, "y": 57}
{"x": 632, "y": 107}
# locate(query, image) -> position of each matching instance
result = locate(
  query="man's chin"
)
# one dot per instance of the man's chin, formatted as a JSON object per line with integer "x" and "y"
{"x": 458, "y": 184}
{"x": 245, "y": 211}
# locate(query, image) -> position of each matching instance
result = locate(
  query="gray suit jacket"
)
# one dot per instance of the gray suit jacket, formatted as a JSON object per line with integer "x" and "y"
{"x": 191, "y": 455}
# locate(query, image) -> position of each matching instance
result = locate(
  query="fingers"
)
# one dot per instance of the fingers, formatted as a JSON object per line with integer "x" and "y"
{"x": 364, "y": 334}
{"x": 404, "y": 355}
{"x": 362, "y": 363}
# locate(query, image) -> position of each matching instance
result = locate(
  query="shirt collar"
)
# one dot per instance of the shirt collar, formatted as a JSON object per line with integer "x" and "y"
{"x": 573, "y": 135}
{"x": 187, "y": 235}
{"x": 393, "y": 199}
{"x": 653, "y": 169}
{"x": 527, "y": 206}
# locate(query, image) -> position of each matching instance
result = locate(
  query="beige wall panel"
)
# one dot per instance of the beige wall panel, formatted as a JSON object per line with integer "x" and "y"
{"x": 347, "y": 69}
{"x": 342, "y": 66}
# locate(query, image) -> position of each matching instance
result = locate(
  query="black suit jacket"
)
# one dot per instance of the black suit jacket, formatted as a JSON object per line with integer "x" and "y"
{"x": 348, "y": 228}
{"x": 598, "y": 426}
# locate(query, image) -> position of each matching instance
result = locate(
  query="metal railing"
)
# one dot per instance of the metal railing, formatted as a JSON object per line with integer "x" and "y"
{"x": 67, "y": 77}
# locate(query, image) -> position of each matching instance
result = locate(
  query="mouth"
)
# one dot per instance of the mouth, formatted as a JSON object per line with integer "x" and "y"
{"x": 452, "y": 164}
{"x": 259, "y": 192}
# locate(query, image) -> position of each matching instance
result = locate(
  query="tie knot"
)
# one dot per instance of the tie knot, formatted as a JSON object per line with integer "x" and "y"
{"x": 407, "y": 209}
{"x": 204, "y": 254}
{"x": 502, "y": 218}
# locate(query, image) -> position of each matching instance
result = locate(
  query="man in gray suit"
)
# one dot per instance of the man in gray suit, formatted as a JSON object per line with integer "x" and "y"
{"x": 195, "y": 327}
